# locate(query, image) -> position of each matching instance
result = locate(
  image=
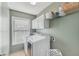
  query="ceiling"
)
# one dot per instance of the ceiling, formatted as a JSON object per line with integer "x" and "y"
{"x": 28, "y": 8}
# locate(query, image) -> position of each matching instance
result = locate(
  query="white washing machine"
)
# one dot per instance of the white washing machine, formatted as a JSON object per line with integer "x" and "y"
{"x": 37, "y": 45}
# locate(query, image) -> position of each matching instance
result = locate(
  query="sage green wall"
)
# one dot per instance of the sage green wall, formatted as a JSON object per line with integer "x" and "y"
{"x": 66, "y": 33}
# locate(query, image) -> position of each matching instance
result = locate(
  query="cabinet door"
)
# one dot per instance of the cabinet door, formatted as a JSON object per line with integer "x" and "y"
{"x": 35, "y": 24}
{"x": 41, "y": 23}
{"x": 40, "y": 48}
{"x": 46, "y": 23}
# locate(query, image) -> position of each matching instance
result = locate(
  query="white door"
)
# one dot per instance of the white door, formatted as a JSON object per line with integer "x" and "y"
{"x": 4, "y": 28}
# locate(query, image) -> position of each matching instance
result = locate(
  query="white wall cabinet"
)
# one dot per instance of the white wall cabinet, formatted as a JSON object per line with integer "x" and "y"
{"x": 40, "y": 23}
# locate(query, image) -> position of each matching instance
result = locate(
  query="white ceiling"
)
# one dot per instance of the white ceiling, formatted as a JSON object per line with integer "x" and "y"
{"x": 28, "y": 8}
